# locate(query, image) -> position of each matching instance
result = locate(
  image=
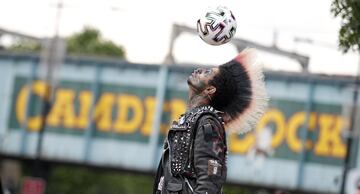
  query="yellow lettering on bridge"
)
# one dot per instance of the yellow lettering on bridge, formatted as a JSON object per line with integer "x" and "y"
{"x": 129, "y": 114}
{"x": 62, "y": 111}
{"x": 127, "y": 104}
{"x": 39, "y": 89}
{"x": 103, "y": 112}
{"x": 329, "y": 139}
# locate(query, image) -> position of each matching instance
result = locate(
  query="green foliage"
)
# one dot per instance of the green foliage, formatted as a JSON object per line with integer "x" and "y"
{"x": 78, "y": 180}
{"x": 87, "y": 42}
{"x": 71, "y": 180}
{"x": 25, "y": 46}
{"x": 90, "y": 42}
{"x": 349, "y": 33}
{"x": 233, "y": 189}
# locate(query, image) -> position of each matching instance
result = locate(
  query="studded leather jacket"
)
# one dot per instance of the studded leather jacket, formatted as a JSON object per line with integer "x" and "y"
{"x": 194, "y": 155}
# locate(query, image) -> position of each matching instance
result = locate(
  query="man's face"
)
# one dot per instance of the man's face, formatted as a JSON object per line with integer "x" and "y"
{"x": 198, "y": 81}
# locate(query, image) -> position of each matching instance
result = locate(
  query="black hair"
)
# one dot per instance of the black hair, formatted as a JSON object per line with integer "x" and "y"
{"x": 233, "y": 89}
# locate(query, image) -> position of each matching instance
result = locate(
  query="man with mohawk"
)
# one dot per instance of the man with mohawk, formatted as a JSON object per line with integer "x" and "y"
{"x": 232, "y": 97}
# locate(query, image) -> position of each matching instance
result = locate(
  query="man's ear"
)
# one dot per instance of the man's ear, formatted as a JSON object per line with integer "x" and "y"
{"x": 210, "y": 90}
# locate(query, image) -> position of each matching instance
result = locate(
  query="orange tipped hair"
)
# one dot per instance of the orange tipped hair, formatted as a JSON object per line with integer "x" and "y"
{"x": 248, "y": 118}
{"x": 256, "y": 100}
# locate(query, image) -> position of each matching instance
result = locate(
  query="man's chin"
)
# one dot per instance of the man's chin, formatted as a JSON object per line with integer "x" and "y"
{"x": 188, "y": 81}
{"x": 192, "y": 88}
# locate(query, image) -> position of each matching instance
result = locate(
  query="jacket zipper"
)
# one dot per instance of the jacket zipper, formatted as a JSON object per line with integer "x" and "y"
{"x": 189, "y": 185}
{"x": 169, "y": 147}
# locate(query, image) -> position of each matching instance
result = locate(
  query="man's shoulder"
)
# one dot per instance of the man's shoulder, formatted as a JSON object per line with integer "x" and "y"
{"x": 202, "y": 115}
{"x": 210, "y": 119}
{"x": 211, "y": 127}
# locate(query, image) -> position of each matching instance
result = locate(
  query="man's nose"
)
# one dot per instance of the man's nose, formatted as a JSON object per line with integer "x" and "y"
{"x": 198, "y": 70}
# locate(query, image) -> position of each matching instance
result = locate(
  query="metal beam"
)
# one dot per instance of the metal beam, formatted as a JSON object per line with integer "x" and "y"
{"x": 4, "y": 31}
{"x": 240, "y": 44}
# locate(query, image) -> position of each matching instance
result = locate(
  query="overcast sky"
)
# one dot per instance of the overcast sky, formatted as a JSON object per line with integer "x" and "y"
{"x": 143, "y": 27}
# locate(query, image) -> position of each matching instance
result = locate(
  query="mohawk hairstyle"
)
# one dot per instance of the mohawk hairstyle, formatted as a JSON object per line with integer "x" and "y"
{"x": 240, "y": 91}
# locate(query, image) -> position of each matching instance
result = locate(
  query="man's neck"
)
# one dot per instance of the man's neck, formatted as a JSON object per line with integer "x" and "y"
{"x": 197, "y": 100}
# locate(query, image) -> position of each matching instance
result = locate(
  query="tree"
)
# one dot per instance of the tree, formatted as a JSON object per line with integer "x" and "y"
{"x": 90, "y": 42}
{"x": 25, "y": 46}
{"x": 349, "y": 38}
{"x": 349, "y": 33}
{"x": 87, "y": 42}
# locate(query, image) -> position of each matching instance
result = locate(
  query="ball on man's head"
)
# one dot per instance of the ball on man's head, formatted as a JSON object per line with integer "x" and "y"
{"x": 217, "y": 26}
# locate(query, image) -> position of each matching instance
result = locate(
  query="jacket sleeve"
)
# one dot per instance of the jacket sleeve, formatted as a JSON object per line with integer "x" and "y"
{"x": 209, "y": 157}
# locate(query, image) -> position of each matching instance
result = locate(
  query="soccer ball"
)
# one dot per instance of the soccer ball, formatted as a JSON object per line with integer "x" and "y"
{"x": 217, "y": 26}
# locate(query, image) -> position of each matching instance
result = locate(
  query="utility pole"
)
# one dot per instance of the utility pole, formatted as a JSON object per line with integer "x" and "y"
{"x": 52, "y": 55}
{"x": 349, "y": 136}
